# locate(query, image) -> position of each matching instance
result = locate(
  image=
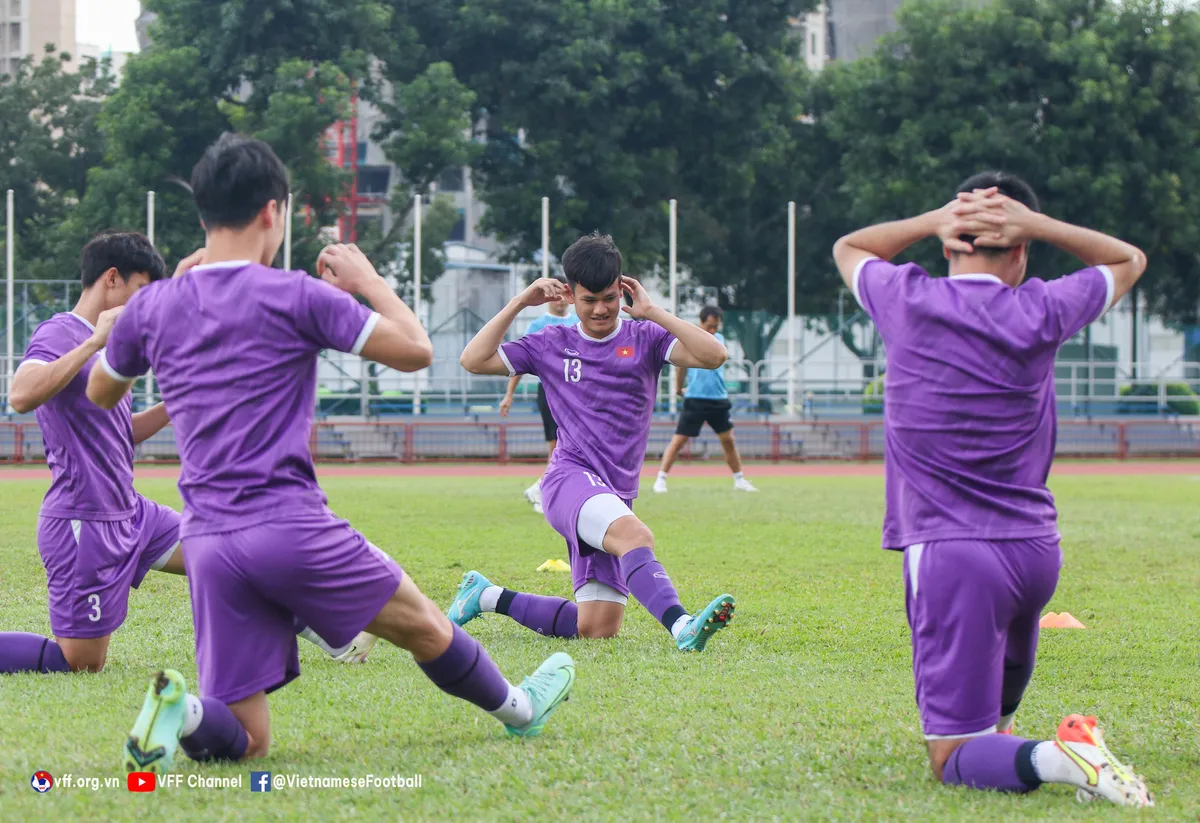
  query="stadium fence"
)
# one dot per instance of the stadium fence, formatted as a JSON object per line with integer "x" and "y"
{"x": 424, "y": 441}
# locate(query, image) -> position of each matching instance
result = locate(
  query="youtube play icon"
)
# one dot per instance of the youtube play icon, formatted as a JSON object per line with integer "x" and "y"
{"x": 141, "y": 782}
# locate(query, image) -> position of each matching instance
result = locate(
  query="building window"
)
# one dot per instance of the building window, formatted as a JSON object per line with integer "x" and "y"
{"x": 813, "y": 50}
{"x": 459, "y": 232}
{"x": 15, "y": 5}
{"x": 373, "y": 181}
{"x": 14, "y": 36}
{"x": 362, "y": 152}
{"x": 451, "y": 179}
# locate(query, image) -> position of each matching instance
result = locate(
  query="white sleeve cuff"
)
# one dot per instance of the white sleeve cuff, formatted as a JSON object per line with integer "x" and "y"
{"x": 671, "y": 350}
{"x": 113, "y": 373}
{"x": 365, "y": 334}
{"x": 507, "y": 363}
{"x": 1111, "y": 286}
{"x": 854, "y": 287}
{"x": 31, "y": 361}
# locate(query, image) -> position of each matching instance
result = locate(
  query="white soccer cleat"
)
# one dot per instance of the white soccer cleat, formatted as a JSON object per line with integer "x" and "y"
{"x": 660, "y": 486}
{"x": 743, "y": 485}
{"x": 358, "y": 649}
{"x": 537, "y": 509}
{"x": 1099, "y": 772}
{"x": 534, "y": 493}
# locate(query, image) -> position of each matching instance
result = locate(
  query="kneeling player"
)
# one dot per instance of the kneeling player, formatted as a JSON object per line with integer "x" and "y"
{"x": 601, "y": 378}
{"x": 97, "y": 536}
{"x": 969, "y": 443}
{"x": 263, "y": 548}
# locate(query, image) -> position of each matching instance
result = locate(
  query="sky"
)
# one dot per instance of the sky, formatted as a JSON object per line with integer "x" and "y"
{"x": 107, "y": 23}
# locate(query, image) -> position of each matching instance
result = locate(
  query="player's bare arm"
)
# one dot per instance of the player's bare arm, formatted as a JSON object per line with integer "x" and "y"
{"x": 1022, "y": 224}
{"x": 680, "y": 380}
{"x": 509, "y": 394}
{"x": 961, "y": 216}
{"x": 105, "y": 390}
{"x": 36, "y": 383}
{"x": 696, "y": 349}
{"x": 150, "y": 422}
{"x": 482, "y": 354}
{"x": 398, "y": 340}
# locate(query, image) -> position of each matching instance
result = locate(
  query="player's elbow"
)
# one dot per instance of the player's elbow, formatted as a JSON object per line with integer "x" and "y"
{"x": 471, "y": 363}
{"x": 1138, "y": 262}
{"x": 716, "y": 359}
{"x": 413, "y": 357}
{"x": 21, "y": 400}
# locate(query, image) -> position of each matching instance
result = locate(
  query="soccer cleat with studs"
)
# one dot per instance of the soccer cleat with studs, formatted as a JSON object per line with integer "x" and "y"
{"x": 714, "y": 617}
{"x": 1101, "y": 773}
{"x": 151, "y": 744}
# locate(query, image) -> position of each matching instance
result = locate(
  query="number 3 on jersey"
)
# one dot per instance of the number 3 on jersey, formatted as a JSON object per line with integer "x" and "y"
{"x": 572, "y": 369}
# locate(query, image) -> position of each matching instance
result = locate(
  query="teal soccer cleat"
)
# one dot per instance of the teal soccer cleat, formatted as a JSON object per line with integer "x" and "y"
{"x": 465, "y": 607}
{"x": 547, "y": 688}
{"x": 715, "y": 616}
{"x": 155, "y": 736}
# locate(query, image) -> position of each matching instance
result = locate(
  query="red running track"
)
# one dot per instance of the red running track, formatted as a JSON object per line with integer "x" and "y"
{"x": 1107, "y": 468}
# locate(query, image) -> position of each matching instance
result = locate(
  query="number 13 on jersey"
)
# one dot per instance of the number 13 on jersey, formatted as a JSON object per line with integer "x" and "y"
{"x": 572, "y": 369}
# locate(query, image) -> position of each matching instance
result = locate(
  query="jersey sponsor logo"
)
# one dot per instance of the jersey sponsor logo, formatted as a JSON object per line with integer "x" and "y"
{"x": 624, "y": 351}
{"x": 572, "y": 352}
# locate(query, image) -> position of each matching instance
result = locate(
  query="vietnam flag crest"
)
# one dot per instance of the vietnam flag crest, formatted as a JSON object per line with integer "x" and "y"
{"x": 624, "y": 351}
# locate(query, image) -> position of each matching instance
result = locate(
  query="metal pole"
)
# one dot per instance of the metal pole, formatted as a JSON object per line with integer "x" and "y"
{"x": 672, "y": 248}
{"x": 791, "y": 309}
{"x": 837, "y": 345}
{"x": 149, "y": 396}
{"x": 8, "y": 310}
{"x": 417, "y": 290}
{"x": 545, "y": 237}
{"x": 287, "y": 235}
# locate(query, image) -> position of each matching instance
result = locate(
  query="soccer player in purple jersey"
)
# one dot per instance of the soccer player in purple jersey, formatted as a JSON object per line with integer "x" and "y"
{"x": 234, "y": 346}
{"x": 601, "y": 380}
{"x": 969, "y": 438}
{"x": 97, "y": 536}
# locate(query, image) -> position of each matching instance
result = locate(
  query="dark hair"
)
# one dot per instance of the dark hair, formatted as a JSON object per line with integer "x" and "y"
{"x": 234, "y": 179}
{"x": 1009, "y": 185}
{"x": 711, "y": 311}
{"x": 128, "y": 252}
{"x": 593, "y": 261}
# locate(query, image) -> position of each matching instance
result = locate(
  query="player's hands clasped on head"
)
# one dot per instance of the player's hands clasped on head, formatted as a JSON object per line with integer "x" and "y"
{"x": 971, "y": 214}
{"x": 544, "y": 290}
{"x": 194, "y": 259}
{"x": 105, "y": 323}
{"x": 1012, "y": 218}
{"x": 642, "y": 304}
{"x": 344, "y": 266}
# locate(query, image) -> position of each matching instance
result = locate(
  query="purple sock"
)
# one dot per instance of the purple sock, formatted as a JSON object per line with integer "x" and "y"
{"x": 25, "y": 652}
{"x": 994, "y": 761}
{"x": 220, "y": 735}
{"x": 648, "y": 582}
{"x": 551, "y": 616}
{"x": 465, "y": 670}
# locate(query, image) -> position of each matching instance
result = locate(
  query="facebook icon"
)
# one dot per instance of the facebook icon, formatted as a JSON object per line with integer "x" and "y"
{"x": 260, "y": 781}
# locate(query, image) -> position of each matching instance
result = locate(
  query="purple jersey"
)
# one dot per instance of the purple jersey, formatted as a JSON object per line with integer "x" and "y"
{"x": 89, "y": 450}
{"x": 969, "y": 417}
{"x": 234, "y": 349}
{"x": 601, "y": 393}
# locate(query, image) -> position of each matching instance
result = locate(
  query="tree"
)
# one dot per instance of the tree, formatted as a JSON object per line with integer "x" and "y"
{"x": 1095, "y": 103}
{"x": 46, "y": 152}
{"x": 612, "y": 109}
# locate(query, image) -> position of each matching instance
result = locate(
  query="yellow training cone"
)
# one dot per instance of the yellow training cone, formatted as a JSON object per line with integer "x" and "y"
{"x": 554, "y": 566}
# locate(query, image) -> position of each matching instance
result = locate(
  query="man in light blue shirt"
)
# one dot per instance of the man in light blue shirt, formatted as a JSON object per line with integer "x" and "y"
{"x": 558, "y": 315}
{"x": 706, "y": 401}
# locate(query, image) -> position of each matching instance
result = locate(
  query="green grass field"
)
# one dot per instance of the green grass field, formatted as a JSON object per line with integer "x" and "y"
{"x": 802, "y": 710}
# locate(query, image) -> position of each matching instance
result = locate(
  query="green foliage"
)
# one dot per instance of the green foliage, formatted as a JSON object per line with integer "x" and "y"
{"x": 1097, "y": 104}
{"x": 49, "y": 138}
{"x": 1185, "y": 400}
{"x": 611, "y": 109}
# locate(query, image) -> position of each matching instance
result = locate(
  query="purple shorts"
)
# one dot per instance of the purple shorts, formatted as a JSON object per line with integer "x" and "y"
{"x": 973, "y": 607}
{"x": 92, "y": 564}
{"x": 565, "y": 488}
{"x": 251, "y": 586}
